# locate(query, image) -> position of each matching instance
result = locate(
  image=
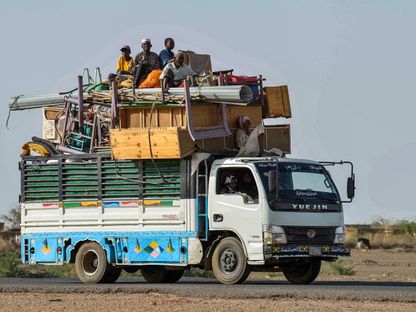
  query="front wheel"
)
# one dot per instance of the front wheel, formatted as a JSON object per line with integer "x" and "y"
{"x": 229, "y": 262}
{"x": 304, "y": 273}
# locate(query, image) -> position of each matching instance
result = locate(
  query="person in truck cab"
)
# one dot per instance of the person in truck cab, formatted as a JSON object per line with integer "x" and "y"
{"x": 248, "y": 186}
{"x": 166, "y": 55}
{"x": 175, "y": 72}
{"x": 230, "y": 185}
{"x": 144, "y": 62}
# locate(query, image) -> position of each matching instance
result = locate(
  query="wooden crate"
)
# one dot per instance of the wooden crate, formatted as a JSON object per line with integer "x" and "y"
{"x": 254, "y": 112}
{"x": 277, "y": 136}
{"x": 163, "y": 116}
{"x": 277, "y": 100}
{"x": 203, "y": 115}
{"x": 216, "y": 144}
{"x": 166, "y": 143}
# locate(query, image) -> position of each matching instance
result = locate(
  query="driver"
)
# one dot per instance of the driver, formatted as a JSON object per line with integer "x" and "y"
{"x": 248, "y": 185}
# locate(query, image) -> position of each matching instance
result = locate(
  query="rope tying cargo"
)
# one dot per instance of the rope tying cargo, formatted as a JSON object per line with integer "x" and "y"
{"x": 15, "y": 99}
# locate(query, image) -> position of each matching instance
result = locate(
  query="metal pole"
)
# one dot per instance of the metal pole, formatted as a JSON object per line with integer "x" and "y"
{"x": 114, "y": 113}
{"x": 80, "y": 104}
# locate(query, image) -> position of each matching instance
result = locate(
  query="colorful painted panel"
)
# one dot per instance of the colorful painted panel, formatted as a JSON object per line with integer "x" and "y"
{"x": 167, "y": 250}
{"x": 45, "y": 250}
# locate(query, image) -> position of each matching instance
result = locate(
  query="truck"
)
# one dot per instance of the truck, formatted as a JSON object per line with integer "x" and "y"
{"x": 165, "y": 216}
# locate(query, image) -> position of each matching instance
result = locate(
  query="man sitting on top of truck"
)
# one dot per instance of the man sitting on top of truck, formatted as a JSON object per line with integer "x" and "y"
{"x": 166, "y": 55}
{"x": 144, "y": 62}
{"x": 250, "y": 142}
{"x": 175, "y": 72}
{"x": 124, "y": 61}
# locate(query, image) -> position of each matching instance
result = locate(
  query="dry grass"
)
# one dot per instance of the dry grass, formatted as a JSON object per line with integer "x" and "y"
{"x": 4, "y": 246}
{"x": 383, "y": 239}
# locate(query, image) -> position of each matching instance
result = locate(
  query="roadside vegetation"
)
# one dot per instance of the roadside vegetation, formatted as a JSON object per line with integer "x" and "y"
{"x": 385, "y": 234}
{"x": 341, "y": 267}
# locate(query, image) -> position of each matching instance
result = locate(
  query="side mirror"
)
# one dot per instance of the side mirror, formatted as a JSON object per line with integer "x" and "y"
{"x": 272, "y": 181}
{"x": 351, "y": 187}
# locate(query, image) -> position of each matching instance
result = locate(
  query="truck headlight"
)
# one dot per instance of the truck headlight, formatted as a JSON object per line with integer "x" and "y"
{"x": 279, "y": 238}
{"x": 339, "y": 235}
{"x": 273, "y": 234}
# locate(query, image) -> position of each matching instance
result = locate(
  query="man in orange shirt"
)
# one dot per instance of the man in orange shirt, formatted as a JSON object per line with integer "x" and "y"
{"x": 124, "y": 61}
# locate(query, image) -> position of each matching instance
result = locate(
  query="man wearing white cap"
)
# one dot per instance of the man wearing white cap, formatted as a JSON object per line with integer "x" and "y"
{"x": 144, "y": 62}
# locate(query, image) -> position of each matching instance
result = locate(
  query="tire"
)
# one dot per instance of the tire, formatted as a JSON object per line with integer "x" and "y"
{"x": 131, "y": 269}
{"x": 229, "y": 262}
{"x": 111, "y": 275}
{"x": 91, "y": 263}
{"x": 303, "y": 274}
{"x": 154, "y": 274}
{"x": 173, "y": 276}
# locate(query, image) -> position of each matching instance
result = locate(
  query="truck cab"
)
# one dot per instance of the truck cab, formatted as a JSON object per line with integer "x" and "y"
{"x": 286, "y": 214}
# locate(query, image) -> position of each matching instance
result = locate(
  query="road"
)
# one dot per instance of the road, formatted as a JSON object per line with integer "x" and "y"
{"x": 210, "y": 288}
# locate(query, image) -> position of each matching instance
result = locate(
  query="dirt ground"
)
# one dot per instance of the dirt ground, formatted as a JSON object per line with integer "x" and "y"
{"x": 373, "y": 265}
{"x": 377, "y": 265}
{"x": 157, "y": 302}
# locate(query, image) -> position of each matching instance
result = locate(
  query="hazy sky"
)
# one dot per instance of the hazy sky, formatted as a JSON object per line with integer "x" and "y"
{"x": 350, "y": 67}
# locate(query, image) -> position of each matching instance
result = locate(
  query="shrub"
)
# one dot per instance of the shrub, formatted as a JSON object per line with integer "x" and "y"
{"x": 341, "y": 268}
{"x": 11, "y": 266}
{"x": 195, "y": 272}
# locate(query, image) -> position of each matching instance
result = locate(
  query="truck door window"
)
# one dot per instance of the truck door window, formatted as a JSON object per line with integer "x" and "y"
{"x": 238, "y": 181}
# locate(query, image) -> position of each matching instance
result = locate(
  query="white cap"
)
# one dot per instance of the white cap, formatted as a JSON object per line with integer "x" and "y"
{"x": 229, "y": 178}
{"x": 144, "y": 40}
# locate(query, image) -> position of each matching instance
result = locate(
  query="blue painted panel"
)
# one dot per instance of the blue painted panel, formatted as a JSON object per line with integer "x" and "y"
{"x": 121, "y": 247}
{"x": 158, "y": 249}
{"x": 45, "y": 250}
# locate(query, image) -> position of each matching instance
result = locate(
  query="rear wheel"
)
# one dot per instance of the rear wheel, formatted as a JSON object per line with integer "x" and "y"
{"x": 229, "y": 262}
{"x": 304, "y": 273}
{"x": 111, "y": 275}
{"x": 91, "y": 263}
{"x": 154, "y": 274}
{"x": 172, "y": 276}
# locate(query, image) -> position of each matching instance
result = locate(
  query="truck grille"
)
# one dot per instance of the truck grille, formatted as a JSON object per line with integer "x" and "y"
{"x": 298, "y": 234}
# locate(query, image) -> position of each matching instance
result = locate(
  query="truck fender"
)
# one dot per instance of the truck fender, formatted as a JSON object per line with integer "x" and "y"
{"x": 211, "y": 248}
{"x": 71, "y": 250}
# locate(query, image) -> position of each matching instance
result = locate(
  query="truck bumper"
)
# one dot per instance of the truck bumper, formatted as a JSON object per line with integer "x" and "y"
{"x": 302, "y": 250}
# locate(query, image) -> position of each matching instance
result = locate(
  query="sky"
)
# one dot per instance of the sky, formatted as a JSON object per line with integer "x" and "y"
{"x": 349, "y": 65}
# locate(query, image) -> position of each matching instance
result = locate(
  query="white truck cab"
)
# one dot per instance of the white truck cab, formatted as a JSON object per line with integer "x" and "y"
{"x": 286, "y": 213}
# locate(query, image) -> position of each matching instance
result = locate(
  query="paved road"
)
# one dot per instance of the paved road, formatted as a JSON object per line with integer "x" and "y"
{"x": 209, "y": 288}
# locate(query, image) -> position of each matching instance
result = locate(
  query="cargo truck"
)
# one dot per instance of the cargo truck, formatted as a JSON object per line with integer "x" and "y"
{"x": 165, "y": 216}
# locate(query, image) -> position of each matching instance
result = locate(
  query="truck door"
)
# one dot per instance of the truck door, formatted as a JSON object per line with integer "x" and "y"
{"x": 234, "y": 205}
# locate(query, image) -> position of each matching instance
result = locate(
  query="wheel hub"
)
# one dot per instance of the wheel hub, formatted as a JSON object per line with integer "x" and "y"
{"x": 228, "y": 261}
{"x": 90, "y": 262}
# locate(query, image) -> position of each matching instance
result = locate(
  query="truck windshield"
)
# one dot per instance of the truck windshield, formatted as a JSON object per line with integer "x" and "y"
{"x": 299, "y": 184}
